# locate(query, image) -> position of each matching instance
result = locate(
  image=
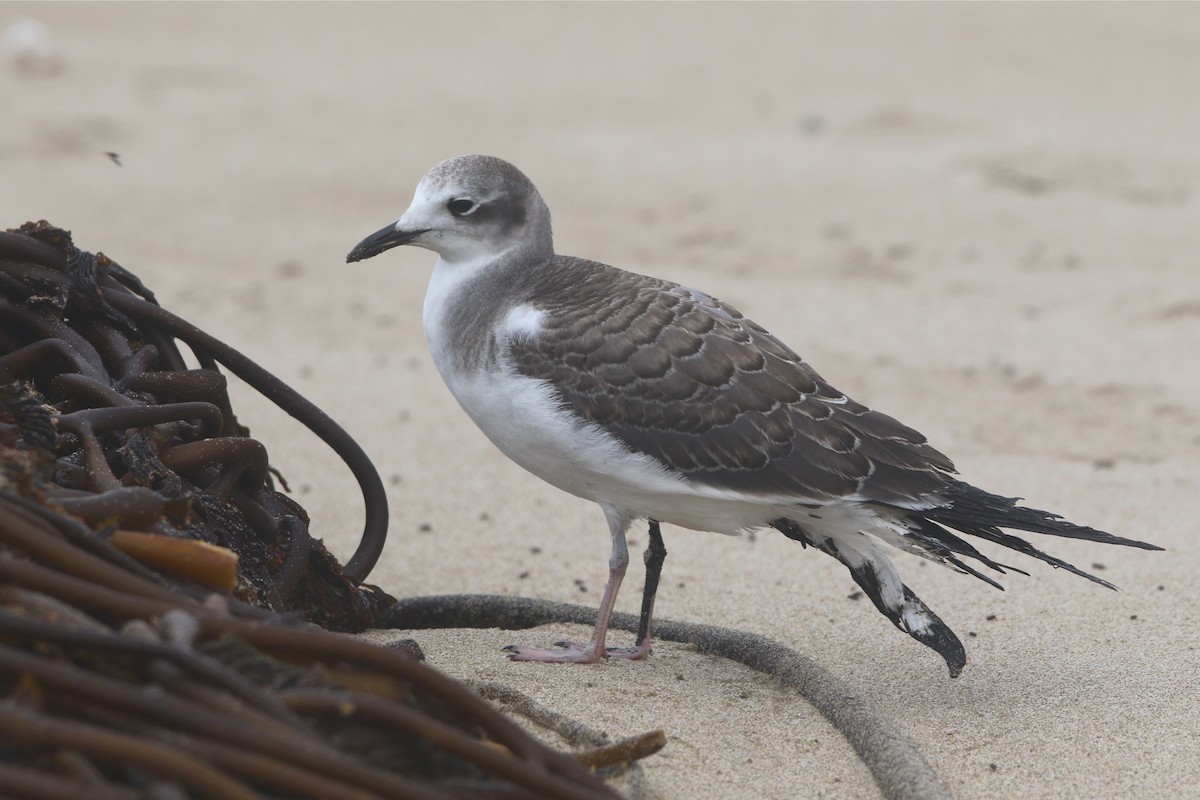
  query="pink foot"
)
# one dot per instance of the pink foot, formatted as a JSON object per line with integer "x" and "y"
{"x": 575, "y": 653}
{"x": 565, "y": 653}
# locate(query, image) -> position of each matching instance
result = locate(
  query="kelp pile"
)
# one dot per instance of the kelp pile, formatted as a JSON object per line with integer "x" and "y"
{"x": 158, "y": 595}
{"x": 119, "y": 431}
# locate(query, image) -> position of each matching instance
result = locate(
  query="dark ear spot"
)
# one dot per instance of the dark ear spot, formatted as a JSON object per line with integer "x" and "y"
{"x": 509, "y": 214}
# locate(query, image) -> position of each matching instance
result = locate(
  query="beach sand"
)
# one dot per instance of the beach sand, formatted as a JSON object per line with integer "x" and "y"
{"x": 983, "y": 220}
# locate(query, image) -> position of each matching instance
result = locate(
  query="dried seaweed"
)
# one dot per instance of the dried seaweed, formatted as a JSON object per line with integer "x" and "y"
{"x": 94, "y": 386}
{"x": 128, "y": 490}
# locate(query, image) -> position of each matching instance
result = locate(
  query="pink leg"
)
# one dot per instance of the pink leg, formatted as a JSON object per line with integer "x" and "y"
{"x": 593, "y": 651}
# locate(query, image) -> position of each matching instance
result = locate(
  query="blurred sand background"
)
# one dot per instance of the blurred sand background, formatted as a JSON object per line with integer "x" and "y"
{"x": 982, "y": 219}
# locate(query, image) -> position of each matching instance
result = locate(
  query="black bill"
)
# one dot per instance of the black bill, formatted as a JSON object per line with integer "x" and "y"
{"x": 380, "y": 240}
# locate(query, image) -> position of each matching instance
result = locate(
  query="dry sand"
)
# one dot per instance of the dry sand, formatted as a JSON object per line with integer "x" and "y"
{"x": 984, "y": 220}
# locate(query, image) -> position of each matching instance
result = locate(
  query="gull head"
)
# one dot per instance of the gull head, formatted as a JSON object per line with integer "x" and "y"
{"x": 468, "y": 209}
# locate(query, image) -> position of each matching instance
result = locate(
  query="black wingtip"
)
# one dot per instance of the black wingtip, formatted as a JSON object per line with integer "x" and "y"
{"x": 976, "y": 507}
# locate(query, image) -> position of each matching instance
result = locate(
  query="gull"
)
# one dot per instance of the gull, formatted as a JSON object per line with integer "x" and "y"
{"x": 660, "y": 402}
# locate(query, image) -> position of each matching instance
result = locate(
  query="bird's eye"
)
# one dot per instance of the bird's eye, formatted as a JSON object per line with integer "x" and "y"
{"x": 461, "y": 207}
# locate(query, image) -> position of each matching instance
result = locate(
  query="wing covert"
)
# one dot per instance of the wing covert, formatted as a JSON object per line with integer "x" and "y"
{"x": 679, "y": 376}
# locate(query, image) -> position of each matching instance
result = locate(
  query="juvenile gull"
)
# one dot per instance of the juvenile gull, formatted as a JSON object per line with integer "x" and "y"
{"x": 660, "y": 402}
